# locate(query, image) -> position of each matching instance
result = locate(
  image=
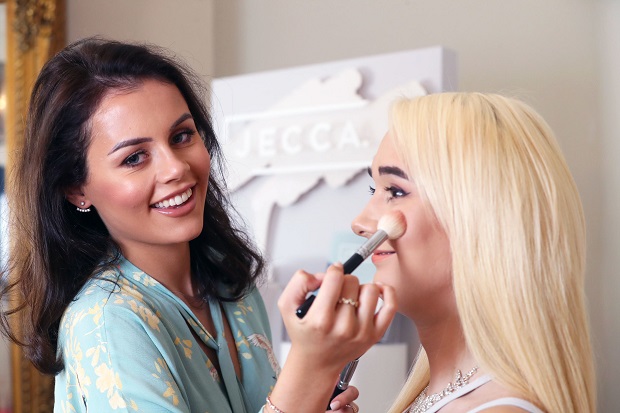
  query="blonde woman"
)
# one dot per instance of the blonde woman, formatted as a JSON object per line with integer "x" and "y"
{"x": 491, "y": 267}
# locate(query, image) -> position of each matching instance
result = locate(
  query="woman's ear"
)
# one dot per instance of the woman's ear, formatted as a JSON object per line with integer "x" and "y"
{"x": 76, "y": 197}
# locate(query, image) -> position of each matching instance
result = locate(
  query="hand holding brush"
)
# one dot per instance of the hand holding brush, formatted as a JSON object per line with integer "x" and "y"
{"x": 390, "y": 226}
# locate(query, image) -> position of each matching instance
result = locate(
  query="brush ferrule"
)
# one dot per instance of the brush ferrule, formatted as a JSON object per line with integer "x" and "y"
{"x": 373, "y": 242}
{"x": 347, "y": 374}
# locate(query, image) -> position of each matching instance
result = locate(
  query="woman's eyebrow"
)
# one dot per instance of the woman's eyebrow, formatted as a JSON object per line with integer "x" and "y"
{"x": 137, "y": 141}
{"x": 128, "y": 142}
{"x": 181, "y": 119}
{"x": 392, "y": 170}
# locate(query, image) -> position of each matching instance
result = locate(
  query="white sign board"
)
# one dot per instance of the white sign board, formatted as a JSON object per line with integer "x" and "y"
{"x": 286, "y": 131}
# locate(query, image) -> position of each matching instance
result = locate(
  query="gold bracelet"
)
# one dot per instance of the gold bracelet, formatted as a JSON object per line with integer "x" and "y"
{"x": 273, "y": 406}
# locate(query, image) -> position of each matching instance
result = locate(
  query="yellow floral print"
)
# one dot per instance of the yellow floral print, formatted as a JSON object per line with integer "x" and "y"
{"x": 162, "y": 368}
{"x": 129, "y": 344}
{"x": 110, "y": 383}
{"x": 186, "y": 345}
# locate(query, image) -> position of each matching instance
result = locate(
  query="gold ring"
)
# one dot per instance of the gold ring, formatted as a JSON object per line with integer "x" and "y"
{"x": 348, "y": 301}
{"x": 355, "y": 409}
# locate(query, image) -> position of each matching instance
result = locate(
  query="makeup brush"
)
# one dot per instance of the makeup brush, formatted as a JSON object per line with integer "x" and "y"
{"x": 391, "y": 225}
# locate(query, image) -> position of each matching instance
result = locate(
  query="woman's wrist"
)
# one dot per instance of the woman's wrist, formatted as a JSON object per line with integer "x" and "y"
{"x": 319, "y": 364}
{"x": 300, "y": 381}
{"x": 272, "y": 406}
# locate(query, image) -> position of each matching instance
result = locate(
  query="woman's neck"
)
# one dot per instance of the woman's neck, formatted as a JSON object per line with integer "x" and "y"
{"x": 170, "y": 265}
{"x": 447, "y": 352}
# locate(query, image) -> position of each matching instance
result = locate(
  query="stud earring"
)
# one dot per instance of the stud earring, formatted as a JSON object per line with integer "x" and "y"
{"x": 83, "y": 209}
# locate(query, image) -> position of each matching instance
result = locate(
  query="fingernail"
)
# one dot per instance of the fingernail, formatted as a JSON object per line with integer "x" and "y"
{"x": 335, "y": 405}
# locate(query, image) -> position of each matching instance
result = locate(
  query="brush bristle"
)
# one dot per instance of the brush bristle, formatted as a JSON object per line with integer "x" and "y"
{"x": 394, "y": 224}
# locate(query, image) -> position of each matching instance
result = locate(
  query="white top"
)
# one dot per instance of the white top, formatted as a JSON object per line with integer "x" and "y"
{"x": 508, "y": 401}
{"x": 504, "y": 401}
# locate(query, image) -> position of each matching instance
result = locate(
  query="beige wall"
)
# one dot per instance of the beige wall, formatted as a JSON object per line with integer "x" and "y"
{"x": 183, "y": 26}
{"x": 607, "y": 302}
{"x": 559, "y": 55}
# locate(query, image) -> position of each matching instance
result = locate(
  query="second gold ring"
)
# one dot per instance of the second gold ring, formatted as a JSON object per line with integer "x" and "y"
{"x": 348, "y": 301}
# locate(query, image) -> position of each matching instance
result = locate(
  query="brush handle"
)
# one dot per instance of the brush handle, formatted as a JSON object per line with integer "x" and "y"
{"x": 345, "y": 379}
{"x": 352, "y": 263}
{"x": 337, "y": 391}
{"x": 303, "y": 309}
{"x": 349, "y": 266}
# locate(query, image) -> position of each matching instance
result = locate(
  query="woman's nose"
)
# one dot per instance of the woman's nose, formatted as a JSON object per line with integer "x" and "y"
{"x": 365, "y": 224}
{"x": 171, "y": 166}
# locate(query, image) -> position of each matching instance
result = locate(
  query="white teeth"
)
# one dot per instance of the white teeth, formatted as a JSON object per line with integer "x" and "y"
{"x": 175, "y": 201}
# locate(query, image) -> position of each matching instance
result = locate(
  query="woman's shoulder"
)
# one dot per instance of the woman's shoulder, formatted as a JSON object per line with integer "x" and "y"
{"x": 254, "y": 301}
{"x": 108, "y": 293}
{"x": 493, "y": 397}
{"x": 254, "y": 296}
{"x": 250, "y": 311}
{"x": 100, "y": 284}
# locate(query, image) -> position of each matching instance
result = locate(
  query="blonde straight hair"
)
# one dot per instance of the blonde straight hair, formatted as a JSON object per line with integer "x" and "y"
{"x": 493, "y": 173}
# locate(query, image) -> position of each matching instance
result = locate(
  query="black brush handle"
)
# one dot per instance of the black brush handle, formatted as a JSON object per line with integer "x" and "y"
{"x": 303, "y": 309}
{"x": 352, "y": 263}
{"x": 337, "y": 391}
{"x": 349, "y": 266}
{"x": 345, "y": 378}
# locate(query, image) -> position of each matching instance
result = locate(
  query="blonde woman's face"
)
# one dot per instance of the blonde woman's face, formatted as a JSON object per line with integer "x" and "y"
{"x": 148, "y": 168}
{"x": 417, "y": 265}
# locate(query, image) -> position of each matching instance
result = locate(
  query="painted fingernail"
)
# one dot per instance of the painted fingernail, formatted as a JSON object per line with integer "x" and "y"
{"x": 335, "y": 405}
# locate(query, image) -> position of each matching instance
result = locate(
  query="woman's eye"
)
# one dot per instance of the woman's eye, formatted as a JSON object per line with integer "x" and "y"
{"x": 183, "y": 137}
{"x": 135, "y": 158}
{"x": 396, "y": 192}
{"x": 371, "y": 190}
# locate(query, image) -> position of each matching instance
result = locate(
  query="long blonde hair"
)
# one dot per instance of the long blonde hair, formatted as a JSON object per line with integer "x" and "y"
{"x": 493, "y": 173}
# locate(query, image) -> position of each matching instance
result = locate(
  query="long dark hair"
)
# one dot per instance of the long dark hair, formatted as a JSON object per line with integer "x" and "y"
{"x": 56, "y": 249}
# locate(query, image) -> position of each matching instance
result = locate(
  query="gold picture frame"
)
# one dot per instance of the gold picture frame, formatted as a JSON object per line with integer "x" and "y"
{"x": 35, "y": 31}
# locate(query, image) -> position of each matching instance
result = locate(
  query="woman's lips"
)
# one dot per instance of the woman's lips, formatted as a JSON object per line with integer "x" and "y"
{"x": 379, "y": 256}
{"x": 186, "y": 204}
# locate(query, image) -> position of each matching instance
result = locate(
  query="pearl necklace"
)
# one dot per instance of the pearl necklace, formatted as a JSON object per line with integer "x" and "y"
{"x": 423, "y": 402}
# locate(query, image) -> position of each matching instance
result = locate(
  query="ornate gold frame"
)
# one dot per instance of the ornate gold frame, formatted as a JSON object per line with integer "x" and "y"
{"x": 35, "y": 31}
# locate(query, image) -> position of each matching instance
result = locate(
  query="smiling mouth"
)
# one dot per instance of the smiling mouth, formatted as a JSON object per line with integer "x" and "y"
{"x": 383, "y": 254}
{"x": 174, "y": 201}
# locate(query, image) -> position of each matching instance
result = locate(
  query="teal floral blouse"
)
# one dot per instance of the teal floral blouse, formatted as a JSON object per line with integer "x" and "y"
{"x": 127, "y": 346}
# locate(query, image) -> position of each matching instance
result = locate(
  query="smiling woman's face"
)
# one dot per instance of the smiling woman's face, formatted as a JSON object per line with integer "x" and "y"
{"x": 417, "y": 265}
{"x": 148, "y": 168}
